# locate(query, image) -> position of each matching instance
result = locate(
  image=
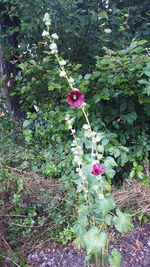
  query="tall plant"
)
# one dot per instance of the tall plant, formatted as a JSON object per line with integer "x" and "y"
{"x": 97, "y": 209}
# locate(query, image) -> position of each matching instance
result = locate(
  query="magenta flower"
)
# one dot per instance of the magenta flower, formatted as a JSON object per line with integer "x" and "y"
{"x": 75, "y": 98}
{"x": 97, "y": 169}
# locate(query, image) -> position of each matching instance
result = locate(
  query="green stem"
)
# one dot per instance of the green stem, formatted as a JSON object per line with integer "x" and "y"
{"x": 96, "y": 261}
{"x": 87, "y": 120}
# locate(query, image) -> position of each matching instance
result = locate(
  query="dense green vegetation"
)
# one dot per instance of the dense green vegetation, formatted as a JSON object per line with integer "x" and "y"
{"x": 106, "y": 48}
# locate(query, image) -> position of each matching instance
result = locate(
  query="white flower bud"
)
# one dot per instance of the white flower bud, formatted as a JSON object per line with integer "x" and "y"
{"x": 45, "y": 33}
{"x": 47, "y": 19}
{"x": 53, "y": 46}
{"x": 62, "y": 73}
{"x": 62, "y": 62}
{"x": 54, "y": 52}
{"x": 86, "y": 126}
{"x": 107, "y": 30}
{"x": 71, "y": 80}
{"x": 101, "y": 196}
{"x": 99, "y": 156}
{"x": 55, "y": 36}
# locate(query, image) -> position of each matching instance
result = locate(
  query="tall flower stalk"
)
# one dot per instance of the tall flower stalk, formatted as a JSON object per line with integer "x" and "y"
{"x": 98, "y": 210}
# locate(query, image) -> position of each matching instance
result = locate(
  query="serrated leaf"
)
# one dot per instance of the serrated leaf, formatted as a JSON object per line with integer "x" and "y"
{"x": 123, "y": 221}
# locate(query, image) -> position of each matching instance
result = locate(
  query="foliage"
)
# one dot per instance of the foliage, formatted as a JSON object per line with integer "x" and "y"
{"x": 113, "y": 74}
{"x": 96, "y": 201}
{"x": 120, "y": 109}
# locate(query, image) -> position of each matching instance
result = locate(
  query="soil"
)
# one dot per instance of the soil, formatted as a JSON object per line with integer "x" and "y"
{"x": 134, "y": 247}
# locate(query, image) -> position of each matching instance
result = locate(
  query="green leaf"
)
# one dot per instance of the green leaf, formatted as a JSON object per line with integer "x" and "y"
{"x": 114, "y": 151}
{"x": 82, "y": 216}
{"x": 132, "y": 173}
{"x": 87, "y": 76}
{"x": 108, "y": 219}
{"x": 105, "y": 205}
{"x": 76, "y": 67}
{"x": 115, "y": 258}
{"x": 142, "y": 81}
{"x": 124, "y": 157}
{"x": 100, "y": 149}
{"x": 23, "y": 66}
{"x": 20, "y": 185}
{"x": 123, "y": 221}
{"x": 141, "y": 175}
{"x": 115, "y": 124}
{"x": 79, "y": 231}
{"x": 109, "y": 172}
{"x": 26, "y": 123}
{"x": 105, "y": 141}
{"x": 130, "y": 117}
{"x": 110, "y": 161}
{"x": 94, "y": 241}
{"x": 109, "y": 164}
{"x": 123, "y": 106}
{"x": 103, "y": 15}
{"x": 146, "y": 90}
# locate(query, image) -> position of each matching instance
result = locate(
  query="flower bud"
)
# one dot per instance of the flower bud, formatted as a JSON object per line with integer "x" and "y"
{"x": 62, "y": 73}
{"x": 45, "y": 33}
{"x": 62, "y": 62}
{"x": 55, "y": 36}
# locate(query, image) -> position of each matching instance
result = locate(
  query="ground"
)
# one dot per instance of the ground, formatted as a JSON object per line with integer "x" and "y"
{"x": 134, "y": 247}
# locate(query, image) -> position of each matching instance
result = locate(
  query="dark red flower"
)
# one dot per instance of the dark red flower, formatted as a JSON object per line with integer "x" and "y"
{"x": 97, "y": 169}
{"x": 75, "y": 98}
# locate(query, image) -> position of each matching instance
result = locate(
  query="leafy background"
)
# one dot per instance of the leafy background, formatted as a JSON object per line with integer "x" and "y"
{"x": 111, "y": 69}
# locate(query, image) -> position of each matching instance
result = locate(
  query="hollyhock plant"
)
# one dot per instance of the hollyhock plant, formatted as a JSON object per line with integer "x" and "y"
{"x": 75, "y": 98}
{"x": 97, "y": 169}
{"x": 94, "y": 216}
